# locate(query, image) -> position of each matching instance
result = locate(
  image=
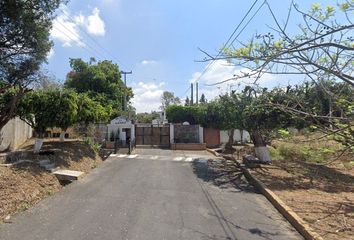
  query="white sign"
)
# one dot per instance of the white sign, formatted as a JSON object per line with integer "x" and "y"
{"x": 120, "y": 120}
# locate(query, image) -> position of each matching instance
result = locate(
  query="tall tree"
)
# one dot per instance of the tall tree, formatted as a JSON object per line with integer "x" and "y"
{"x": 101, "y": 81}
{"x": 168, "y": 98}
{"x": 321, "y": 50}
{"x": 187, "y": 101}
{"x": 202, "y": 99}
{"x": 24, "y": 45}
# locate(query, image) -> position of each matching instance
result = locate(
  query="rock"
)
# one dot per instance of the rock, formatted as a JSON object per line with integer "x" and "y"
{"x": 250, "y": 159}
{"x": 7, "y": 219}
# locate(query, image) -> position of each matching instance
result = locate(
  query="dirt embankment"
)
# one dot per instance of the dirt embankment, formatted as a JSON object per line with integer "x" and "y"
{"x": 320, "y": 191}
{"x": 25, "y": 184}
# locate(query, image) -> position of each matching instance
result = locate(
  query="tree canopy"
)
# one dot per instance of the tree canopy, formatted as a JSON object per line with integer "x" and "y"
{"x": 168, "y": 98}
{"x": 24, "y": 45}
{"x": 101, "y": 81}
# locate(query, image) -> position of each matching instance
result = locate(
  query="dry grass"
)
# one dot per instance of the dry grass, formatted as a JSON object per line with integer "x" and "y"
{"x": 318, "y": 189}
{"x": 25, "y": 184}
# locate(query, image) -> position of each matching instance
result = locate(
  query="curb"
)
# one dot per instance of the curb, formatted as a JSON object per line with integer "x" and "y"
{"x": 300, "y": 225}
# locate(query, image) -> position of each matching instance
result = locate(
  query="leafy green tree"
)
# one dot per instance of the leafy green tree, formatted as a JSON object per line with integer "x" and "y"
{"x": 146, "y": 117}
{"x": 90, "y": 111}
{"x": 101, "y": 81}
{"x": 48, "y": 108}
{"x": 24, "y": 45}
{"x": 179, "y": 114}
{"x": 168, "y": 98}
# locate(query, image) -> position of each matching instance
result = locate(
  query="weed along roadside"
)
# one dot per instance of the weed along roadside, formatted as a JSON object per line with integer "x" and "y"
{"x": 25, "y": 183}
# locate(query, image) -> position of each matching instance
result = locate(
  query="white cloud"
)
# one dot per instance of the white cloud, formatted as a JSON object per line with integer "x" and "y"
{"x": 222, "y": 70}
{"x": 50, "y": 53}
{"x": 147, "y": 96}
{"x": 147, "y": 62}
{"x": 65, "y": 30}
{"x": 94, "y": 23}
{"x": 66, "y": 26}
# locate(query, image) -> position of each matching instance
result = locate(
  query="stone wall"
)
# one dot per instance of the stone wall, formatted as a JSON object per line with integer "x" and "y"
{"x": 186, "y": 134}
{"x": 14, "y": 134}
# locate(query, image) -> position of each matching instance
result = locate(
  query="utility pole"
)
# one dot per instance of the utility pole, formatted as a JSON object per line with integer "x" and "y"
{"x": 196, "y": 95}
{"x": 125, "y": 84}
{"x": 191, "y": 93}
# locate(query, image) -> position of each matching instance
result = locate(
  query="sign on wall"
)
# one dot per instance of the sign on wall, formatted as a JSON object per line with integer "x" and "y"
{"x": 120, "y": 120}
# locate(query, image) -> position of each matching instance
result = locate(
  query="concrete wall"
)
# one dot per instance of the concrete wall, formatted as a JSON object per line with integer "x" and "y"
{"x": 224, "y": 137}
{"x": 14, "y": 134}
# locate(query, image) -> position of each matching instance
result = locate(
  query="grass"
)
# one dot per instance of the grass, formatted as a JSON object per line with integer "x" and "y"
{"x": 23, "y": 207}
{"x": 319, "y": 152}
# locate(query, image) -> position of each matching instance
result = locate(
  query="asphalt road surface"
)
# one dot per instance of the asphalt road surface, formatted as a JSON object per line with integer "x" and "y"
{"x": 152, "y": 194}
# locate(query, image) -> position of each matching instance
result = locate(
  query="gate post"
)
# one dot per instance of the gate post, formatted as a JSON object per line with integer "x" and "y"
{"x": 172, "y": 134}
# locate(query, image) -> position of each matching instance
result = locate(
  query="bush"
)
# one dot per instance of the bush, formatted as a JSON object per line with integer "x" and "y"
{"x": 95, "y": 146}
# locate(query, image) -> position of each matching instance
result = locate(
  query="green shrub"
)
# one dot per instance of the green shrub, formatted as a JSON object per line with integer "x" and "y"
{"x": 95, "y": 146}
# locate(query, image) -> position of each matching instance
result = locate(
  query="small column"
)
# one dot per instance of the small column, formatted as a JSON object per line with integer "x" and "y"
{"x": 172, "y": 133}
{"x": 201, "y": 135}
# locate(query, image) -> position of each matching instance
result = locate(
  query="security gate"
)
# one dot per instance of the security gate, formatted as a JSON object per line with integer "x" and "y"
{"x": 153, "y": 135}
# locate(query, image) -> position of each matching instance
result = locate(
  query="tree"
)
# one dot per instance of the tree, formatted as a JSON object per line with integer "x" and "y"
{"x": 168, "y": 98}
{"x": 202, "y": 99}
{"x": 187, "y": 101}
{"x": 24, "y": 45}
{"x": 322, "y": 50}
{"x": 46, "y": 109}
{"x": 90, "y": 111}
{"x": 146, "y": 117}
{"x": 101, "y": 81}
{"x": 179, "y": 114}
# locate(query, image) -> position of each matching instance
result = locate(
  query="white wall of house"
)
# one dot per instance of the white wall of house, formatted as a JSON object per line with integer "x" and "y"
{"x": 14, "y": 134}
{"x": 224, "y": 137}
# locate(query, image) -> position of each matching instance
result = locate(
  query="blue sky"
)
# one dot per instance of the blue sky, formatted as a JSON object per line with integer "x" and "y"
{"x": 158, "y": 40}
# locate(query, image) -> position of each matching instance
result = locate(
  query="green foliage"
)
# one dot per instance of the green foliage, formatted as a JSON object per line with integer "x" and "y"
{"x": 202, "y": 99}
{"x": 179, "y": 114}
{"x": 25, "y": 29}
{"x": 146, "y": 117}
{"x": 90, "y": 111}
{"x": 101, "y": 82}
{"x": 315, "y": 153}
{"x": 49, "y": 108}
{"x": 168, "y": 98}
{"x": 284, "y": 133}
{"x": 94, "y": 146}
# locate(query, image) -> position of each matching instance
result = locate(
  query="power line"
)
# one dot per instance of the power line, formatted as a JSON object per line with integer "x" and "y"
{"x": 255, "y": 13}
{"x": 74, "y": 40}
{"x": 81, "y": 29}
{"x": 227, "y": 42}
{"x": 80, "y": 39}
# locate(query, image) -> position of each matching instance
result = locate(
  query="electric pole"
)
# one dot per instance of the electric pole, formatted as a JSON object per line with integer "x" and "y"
{"x": 196, "y": 95}
{"x": 125, "y": 84}
{"x": 191, "y": 93}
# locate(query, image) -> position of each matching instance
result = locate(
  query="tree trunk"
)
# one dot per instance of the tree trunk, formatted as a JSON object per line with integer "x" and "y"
{"x": 38, "y": 145}
{"x": 260, "y": 147}
{"x": 231, "y": 139}
{"x": 39, "y": 142}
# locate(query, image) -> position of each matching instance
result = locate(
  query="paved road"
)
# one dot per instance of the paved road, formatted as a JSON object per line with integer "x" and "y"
{"x": 156, "y": 194}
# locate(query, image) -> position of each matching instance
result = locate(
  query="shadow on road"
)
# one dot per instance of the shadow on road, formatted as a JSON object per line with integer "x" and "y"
{"x": 221, "y": 173}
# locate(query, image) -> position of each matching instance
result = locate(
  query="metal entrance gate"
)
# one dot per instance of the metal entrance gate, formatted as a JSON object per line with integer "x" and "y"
{"x": 153, "y": 135}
